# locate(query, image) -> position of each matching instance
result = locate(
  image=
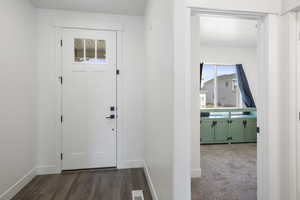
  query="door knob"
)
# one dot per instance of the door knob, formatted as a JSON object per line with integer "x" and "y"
{"x": 111, "y": 117}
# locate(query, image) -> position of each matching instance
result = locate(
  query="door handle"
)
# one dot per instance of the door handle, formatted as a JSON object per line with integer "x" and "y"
{"x": 111, "y": 117}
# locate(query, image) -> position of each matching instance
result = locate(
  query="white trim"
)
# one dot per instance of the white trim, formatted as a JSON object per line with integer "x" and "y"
{"x": 14, "y": 189}
{"x": 58, "y": 53}
{"x": 87, "y": 27}
{"x": 150, "y": 183}
{"x": 293, "y": 40}
{"x": 58, "y": 62}
{"x": 296, "y": 110}
{"x": 131, "y": 164}
{"x": 93, "y": 25}
{"x": 196, "y": 173}
{"x": 120, "y": 98}
{"x": 48, "y": 169}
{"x": 227, "y": 13}
{"x": 270, "y": 120}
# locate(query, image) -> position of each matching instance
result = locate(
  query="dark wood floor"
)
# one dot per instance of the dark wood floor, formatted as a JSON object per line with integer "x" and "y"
{"x": 109, "y": 184}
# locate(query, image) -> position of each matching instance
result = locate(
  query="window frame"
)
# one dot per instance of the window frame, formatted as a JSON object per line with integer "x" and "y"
{"x": 85, "y": 60}
{"x": 215, "y": 89}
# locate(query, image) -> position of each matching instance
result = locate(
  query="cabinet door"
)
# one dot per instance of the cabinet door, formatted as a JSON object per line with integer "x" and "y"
{"x": 250, "y": 131}
{"x": 221, "y": 131}
{"x": 206, "y": 132}
{"x": 236, "y": 129}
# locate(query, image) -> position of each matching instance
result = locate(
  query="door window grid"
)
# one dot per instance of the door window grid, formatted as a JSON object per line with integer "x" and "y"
{"x": 90, "y": 51}
{"x": 214, "y": 77}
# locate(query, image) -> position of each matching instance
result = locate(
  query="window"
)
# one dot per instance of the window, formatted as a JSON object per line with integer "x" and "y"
{"x": 219, "y": 87}
{"x": 90, "y": 51}
{"x": 79, "y": 50}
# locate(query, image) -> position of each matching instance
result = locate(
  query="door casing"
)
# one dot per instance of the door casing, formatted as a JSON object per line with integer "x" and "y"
{"x": 265, "y": 152}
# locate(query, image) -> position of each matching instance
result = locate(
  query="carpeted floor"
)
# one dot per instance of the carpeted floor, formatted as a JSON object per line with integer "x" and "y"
{"x": 228, "y": 173}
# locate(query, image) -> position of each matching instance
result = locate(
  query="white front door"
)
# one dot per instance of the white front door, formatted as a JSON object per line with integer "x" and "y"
{"x": 89, "y": 99}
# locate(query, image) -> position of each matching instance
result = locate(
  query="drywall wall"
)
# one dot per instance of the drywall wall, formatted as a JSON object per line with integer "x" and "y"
{"x": 261, "y": 6}
{"x": 195, "y": 100}
{"x": 182, "y": 102}
{"x": 159, "y": 97}
{"x": 246, "y": 56}
{"x": 288, "y": 5}
{"x": 18, "y": 95}
{"x": 120, "y": 7}
{"x": 131, "y": 96}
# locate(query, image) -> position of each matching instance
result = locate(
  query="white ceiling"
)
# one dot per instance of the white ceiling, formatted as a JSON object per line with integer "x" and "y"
{"x": 231, "y": 32}
{"x": 123, "y": 7}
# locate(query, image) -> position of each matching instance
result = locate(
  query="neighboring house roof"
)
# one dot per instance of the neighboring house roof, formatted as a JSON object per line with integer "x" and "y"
{"x": 222, "y": 77}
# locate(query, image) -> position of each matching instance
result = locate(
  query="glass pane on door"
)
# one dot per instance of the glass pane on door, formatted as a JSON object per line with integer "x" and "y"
{"x": 79, "y": 50}
{"x": 101, "y": 51}
{"x": 90, "y": 50}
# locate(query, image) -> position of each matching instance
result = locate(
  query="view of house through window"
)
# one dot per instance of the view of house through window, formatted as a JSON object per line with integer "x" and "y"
{"x": 219, "y": 87}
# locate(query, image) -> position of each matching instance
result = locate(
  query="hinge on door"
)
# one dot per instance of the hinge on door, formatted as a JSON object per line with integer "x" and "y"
{"x": 257, "y": 130}
{"x": 61, "y": 43}
{"x": 118, "y": 72}
{"x": 61, "y": 119}
{"x": 61, "y": 79}
{"x": 61, "y": 156}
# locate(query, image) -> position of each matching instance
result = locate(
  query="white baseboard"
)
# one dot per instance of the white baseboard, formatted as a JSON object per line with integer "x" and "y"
{"x": 13, "y": 190}
{"x": 47, "y": 169}
{"x": 150, "y": 183}
{"x": 196, "y": 173}
{"x": 128, "y": 164}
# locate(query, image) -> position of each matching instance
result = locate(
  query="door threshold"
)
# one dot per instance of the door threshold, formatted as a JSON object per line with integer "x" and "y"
{"x": 88, "y": 170}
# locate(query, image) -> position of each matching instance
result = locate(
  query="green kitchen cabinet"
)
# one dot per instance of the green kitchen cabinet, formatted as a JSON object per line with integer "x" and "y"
{"x": 250, "y": 130}
{"x": 221, "y": 131}
{"x": 207, "y": 131}
{"x": 236, "y": 128}
{"x": 228, "y": 126}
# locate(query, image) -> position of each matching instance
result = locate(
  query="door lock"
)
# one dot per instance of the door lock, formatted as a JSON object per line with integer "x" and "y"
{"x": 111, "y": 117}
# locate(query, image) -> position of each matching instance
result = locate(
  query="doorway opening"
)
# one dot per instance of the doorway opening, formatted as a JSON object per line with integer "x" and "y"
{"x": 225, "y": 52}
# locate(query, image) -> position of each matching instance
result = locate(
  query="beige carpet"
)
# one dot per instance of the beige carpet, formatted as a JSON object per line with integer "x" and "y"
{"x": 228, "y": 173}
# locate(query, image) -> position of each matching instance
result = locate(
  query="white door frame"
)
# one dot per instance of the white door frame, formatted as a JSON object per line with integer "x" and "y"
{"x": 119, "y": 86}
{"x": 294, "y": 19}
{"x": 294, "y": 102}
{"x": 267, "y": 150}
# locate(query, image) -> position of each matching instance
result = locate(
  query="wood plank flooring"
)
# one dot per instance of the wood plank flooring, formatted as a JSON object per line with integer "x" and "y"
{"x": 101, "y": 184}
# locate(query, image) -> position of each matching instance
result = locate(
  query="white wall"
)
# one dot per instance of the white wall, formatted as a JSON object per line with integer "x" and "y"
{"x": 18, "y": 92}
{"x": 160, "y": 97}
{"x": 246, "y": 56}
{"x": 263, "y": 6}
{"x": 288, "y": 5}
{"x": 195, "y": 100}
{"x": 182, "y": 101}
{"x": 132, "y": 83}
